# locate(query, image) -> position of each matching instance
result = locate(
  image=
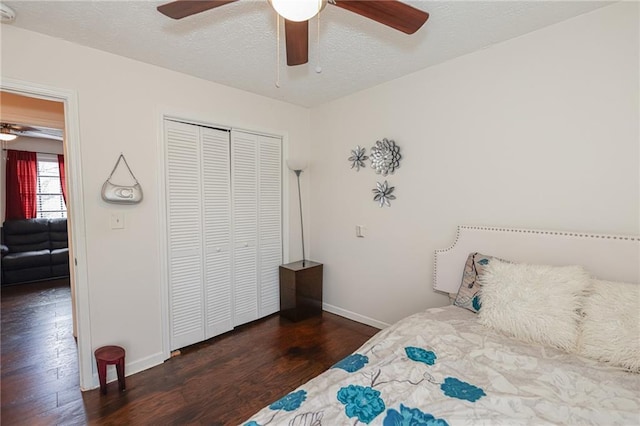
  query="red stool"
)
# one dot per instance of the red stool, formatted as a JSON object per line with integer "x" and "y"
{"x": 110, "y": 355}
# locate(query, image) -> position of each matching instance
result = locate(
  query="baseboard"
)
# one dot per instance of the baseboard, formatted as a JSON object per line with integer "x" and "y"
{"x": 129, "y": 368}
{"x": 354, "y": 316}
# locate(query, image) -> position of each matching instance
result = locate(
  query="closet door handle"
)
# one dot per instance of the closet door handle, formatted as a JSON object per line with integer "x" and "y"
{"x": 246, "y": 244}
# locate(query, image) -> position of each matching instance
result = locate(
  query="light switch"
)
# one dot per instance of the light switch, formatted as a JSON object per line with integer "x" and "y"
{"x": 117, "y": 220}
{"x": 360, "y": 231}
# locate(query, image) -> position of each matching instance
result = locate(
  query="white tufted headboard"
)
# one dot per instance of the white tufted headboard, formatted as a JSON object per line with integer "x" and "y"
{"x": 608, "y": 257}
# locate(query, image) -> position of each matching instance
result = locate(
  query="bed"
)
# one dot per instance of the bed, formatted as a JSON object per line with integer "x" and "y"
{"x": 544, "y": 329}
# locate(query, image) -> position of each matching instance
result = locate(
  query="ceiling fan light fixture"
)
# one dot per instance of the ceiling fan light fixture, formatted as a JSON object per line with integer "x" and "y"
{"x": 298, "y": 10}
{"x": 6, "y": 136}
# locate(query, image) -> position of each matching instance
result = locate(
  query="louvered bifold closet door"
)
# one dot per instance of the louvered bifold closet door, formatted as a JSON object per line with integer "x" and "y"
{"x": 269, "y": 222}
{"x": 216, "y": 181}
{"x": 183, "y": 183}
{"x": 244, "y": 195}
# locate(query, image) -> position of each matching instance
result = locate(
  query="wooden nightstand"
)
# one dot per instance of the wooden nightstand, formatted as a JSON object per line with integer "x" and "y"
{"x": 300, "y": 290}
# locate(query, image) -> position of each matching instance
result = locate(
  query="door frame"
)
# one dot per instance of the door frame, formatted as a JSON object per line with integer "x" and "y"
{"x": 75, "y": 207}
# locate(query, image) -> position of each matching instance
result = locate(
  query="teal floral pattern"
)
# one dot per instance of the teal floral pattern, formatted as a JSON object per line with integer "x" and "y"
{"x": 391, "y": 389}
{"x": 290, "y": 402}
{"x": 361, "y": 402}
{"x": 455, "y": 388}
{"x": 470, "y": 290}
{"x": 475, "y": 302}
{"x": 420, "y": 355}
{"x": 411, "y": 417}
{"x": 352, "y": 363}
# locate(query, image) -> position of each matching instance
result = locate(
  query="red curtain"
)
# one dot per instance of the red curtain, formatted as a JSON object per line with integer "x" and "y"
{"x": 63, "y": 182}
{"x": 22, "y": 181}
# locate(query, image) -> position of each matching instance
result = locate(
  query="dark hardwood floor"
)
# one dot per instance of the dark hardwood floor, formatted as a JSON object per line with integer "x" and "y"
{"x": 222, "y": 381}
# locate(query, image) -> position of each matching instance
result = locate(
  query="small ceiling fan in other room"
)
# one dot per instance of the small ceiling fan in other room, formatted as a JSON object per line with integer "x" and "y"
{"x": 9, "y": 132}
{"x": 297, "y": 13}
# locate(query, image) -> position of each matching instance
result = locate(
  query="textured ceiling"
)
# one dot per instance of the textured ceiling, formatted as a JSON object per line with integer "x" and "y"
{"x": 235, "y": 45}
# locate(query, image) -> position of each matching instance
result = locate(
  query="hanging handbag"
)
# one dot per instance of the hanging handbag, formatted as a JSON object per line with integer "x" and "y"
{"x": 121, "y": 194}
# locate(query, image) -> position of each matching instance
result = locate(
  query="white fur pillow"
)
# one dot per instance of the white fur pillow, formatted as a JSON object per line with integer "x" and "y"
{"x": 611, "y": 324}
{"x": 534, "y": 303}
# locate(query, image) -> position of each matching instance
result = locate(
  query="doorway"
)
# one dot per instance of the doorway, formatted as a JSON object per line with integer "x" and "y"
{"x": 75, "y": 206}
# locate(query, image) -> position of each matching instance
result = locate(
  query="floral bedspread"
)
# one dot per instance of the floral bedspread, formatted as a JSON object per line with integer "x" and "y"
{"x": 441, "y": 367}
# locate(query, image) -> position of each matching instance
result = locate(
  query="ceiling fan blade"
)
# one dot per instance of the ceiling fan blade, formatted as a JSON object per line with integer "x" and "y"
{"x": 182, "y": 8}
{"x": 297, "y": 35}
{"x": 392, "y": 13}
{"x": 42, "y": 135}
{"x": 18, "y": 127}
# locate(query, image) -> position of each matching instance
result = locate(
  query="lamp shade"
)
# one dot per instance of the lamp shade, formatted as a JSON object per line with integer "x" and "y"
{"x": 296, "y": 164}
{"x": 298, "y": 10}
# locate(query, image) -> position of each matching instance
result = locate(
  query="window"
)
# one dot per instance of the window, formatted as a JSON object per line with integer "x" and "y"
{"x": 49, "y": 193}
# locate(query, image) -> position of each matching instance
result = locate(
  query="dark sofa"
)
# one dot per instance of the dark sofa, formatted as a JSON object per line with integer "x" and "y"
{"x": 34, "y": 249}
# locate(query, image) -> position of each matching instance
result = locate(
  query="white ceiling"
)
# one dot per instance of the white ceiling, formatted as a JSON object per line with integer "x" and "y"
{"x": 235, "y": 45}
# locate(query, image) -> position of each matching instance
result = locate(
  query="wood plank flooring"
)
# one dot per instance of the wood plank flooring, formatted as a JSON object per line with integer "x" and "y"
{"x": 222, "y": 381}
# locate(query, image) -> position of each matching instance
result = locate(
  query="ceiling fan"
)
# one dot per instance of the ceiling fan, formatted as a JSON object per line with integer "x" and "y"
{"x": 392, "y": 13}
{"x": 9, "y": 132}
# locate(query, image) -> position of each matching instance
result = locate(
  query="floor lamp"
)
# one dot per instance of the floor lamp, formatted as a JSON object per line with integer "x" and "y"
{"x": 297, "y": 167}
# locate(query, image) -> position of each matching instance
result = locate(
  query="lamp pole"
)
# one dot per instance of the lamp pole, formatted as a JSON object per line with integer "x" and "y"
{"x": 297, "y": 172}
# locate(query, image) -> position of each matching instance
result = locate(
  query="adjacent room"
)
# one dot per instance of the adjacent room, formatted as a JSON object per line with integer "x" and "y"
{"x": 254, "y": 217}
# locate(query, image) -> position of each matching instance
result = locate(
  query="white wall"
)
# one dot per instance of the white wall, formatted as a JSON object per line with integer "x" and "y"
{"x": 536, "y": 132}
{"x": 120, "y": 106}
{"x": 25, "y": 143}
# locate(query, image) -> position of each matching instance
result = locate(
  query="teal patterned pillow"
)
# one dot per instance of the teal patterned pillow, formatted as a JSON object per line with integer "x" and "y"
{"x": 468, "y": 296}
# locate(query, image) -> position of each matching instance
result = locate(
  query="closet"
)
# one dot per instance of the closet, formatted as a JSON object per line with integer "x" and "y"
{"x": 224, "y": 228}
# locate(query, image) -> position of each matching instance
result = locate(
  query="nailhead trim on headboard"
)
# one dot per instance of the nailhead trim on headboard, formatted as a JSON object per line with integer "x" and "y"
{"x": 526, "y": 231}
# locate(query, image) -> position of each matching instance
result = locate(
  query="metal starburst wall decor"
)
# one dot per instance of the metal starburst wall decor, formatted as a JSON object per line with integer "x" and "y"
{"x": 357, "y": 158}
{"x": 383, "y": 193}
{"x": 385, "y": 156}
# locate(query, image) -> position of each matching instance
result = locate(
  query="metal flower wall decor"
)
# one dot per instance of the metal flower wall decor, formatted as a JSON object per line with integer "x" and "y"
{"x": 357, "y": 158}
{"x": 383, "y": 193}
{"x": 385, "y": 157}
